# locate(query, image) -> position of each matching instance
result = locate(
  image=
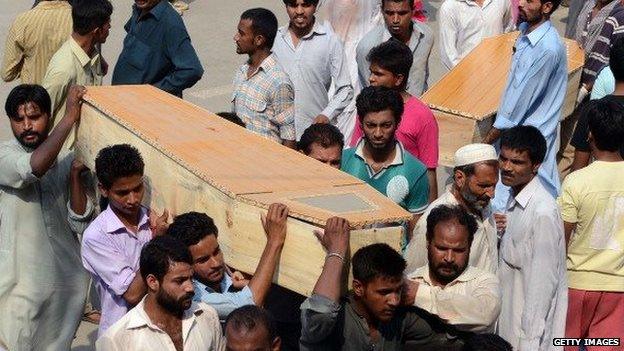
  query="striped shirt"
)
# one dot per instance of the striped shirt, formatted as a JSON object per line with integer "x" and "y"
{"x": 32, "y": 40}
{"x": 265, "y": 101}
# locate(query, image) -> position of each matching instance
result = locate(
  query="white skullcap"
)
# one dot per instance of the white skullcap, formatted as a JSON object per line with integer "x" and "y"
{"x": 473, "y": 153}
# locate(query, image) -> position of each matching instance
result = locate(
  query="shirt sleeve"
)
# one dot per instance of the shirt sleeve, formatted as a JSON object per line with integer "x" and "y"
{"x": 581, "y": 133}
{"x": 187, "y": 69}
{"x": 283, "y": 104}
{"x": 416, "y": 331}
{"x": 363, "y": 67}
{"x": 604, "y": 84}
{"x": 599, "y": 54}
{"x": 448, "y": 37}
{"x": 15, "y": 169}
{"x": 227, "y": 302}
{"x": 427, "y": 141}
{"x": 474, "y": 312}
{"x": 56, "y": 83}
{"x": 418, "y": 197}
{"x": 341, "y": 81}
{"x": 13, "y": 54}
{"x": 319, "y": 316}
{"x": 567, "y": 201}
{"x": 78, "y": 223}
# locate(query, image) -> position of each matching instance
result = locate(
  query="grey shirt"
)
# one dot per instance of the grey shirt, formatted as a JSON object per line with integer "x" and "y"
{"x": 313, "y": 65}
{"x": 421, "y": 43}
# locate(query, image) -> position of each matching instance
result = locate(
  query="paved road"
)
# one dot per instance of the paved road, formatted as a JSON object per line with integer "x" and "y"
{"x": 211, "y": 24}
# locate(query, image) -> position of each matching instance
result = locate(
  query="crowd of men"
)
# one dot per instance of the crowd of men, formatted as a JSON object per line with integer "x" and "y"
{"x": 524, "y": 244}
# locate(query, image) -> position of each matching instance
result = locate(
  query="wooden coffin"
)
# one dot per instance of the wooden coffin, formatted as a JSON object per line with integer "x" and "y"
{"x": 466, "y": 99}
{"x": 196, "y": 161}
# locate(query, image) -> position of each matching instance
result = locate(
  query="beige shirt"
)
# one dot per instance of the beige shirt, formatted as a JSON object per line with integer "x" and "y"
{"x": 135, "y": 331}
{"x": 483, "y": 251}
{"x": 34, "y": 37}
{"x": 70, "y": 65}
{"x": 471, "y": 302}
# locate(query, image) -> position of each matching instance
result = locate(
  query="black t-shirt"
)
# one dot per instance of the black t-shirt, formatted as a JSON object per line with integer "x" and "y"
{"x": 581, "y": 133}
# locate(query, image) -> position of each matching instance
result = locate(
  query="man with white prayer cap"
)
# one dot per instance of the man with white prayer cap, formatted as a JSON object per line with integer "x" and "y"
{"x": 474, "y": 178}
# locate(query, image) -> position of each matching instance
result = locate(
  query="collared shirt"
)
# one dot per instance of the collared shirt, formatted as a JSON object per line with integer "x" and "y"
{"x": 484, "y": 248}
{"x": 463, "y": 24}
{"x": 136, "y": 332}
{"x": 588, "y": 28}
{"x": 157, "y": 50}
{"x": 599, "y": 54}
{"x": 111, "y": 252}
{"x": 421, "y": 43}
{"x": 70, "y": 65}
{"x": 313, "y": 65}
{"x": 534, "y": 96}
{"x": 470, "y": 303}
{"x": 42, "y": 284}
{"x": 265, "y": 101}
{"x": 328, "y": 325}
{"x": 34, "y": 37}
{"x": 225, "y": 301}
{"x": 532, "y": 271}
{"x": 404, "y": 180}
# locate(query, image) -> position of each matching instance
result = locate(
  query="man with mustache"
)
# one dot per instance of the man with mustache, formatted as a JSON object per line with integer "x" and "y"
{"x": 167, "y": 318}
{"x": 462, "y": 296}
{"x": 474, "y": 178}
{"x": 532, "y": 265}
{"x": 43, "y": 205}
{"x": 400, "y": 26}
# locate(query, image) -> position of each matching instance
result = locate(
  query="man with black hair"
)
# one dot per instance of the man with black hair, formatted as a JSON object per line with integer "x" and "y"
{"x": 251, "y": 328}
{"x": 324, "y": 143}
{"x": 79, "y": 61}
{"x": 461, "y": 296}
{"x": 214, "y": 284}
{"x": 370, "y": 316}
{"x": 314, "y": 59}
{"x": 592, "y": 207}
{"x": 532, "y": 268}
{"x": 111, "y": 245}
{"x": 43, "y": 205}
{"x": 390, "y": 64}
{"x": 263, "y": 96}
{"x": 379, "y": 159}
{"x": 400, "y": 26}
{"x": 167, "y": 318}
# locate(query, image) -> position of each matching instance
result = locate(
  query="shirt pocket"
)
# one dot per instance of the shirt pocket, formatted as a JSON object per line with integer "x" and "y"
{"x": 138, "y": 54}
{"x": 255, "y": 104}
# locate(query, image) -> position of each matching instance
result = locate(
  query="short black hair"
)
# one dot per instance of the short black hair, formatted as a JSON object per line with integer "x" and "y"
{"x": 410, "y": 2}
{"x": 377, "y": 99}
{"x": 469, "y": 169}
{"x": 232, "y": 117}
{"x": 251, "y": 317}
{"x": 393, "y": 56}
{"x": 606, "y": 123}
{"x": 377, "y": 260}
{"x": 263, "y": 22}
{"x": 191, "y": 227}
{"x": 525, "y": 138}
{"x": 88, "y": 15}
{"x": 158, "y": 254}
{"x": 616, "y": 58}
{"x": 25, "y": 93}
{"x": 307, "y": 2}
{"x": 555, "y": 3}
{"x": 117, "y": 161}
{"x": 444, "y": 213}
{"x": 486, "y": 342}
{"x": 324, "y": 134}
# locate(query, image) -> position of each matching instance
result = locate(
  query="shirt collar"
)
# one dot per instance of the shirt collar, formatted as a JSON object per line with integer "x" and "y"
{"x": 537, "y": 34}
{"x": 157, "y": 11}
{"x": 398, "y": 155}
{"x": 526, "y": 193}
{"x": 414, "y": 38}
{"x": 114, "y": 224}
{"x": 225, "y": 284}
{"x": 266, "y": 64}
{"x": 138, "y": 317}
{"x": 81, "y": 55}
{"x": 318, "y": 28}
{"x": 470, "y": 273}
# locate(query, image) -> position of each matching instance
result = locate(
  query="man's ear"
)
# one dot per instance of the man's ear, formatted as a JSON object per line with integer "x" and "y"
{"x": 103, "y": 190}
{"x": 536, "y": 168}
{"x": 259, "y": 40}
{"x": 276, "y": 345}
{"x": 152, "y": 282}
{"x": 400, "y": 80}
{"x": 547, "y": 8}
{"x": 358, "y": 288}
{"x": 460, "y": 178}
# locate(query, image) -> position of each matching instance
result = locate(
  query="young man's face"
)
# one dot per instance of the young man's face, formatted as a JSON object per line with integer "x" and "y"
{"x": 208, "y": 262}
{"x": 478, "y": 188}
{"x": 516, "y": 167}
{"x": 30, "y": 127}
{"x": 379, "y": 128}
{"x": 175, "y": 292}
{"x": 103, "y": 32}
{"x": 125, "y": 195}
{"x": 448, "y": 251}
{"x": 380, "y": 77}
{"x": 244, "y": 37}
{"x": 398, "y": 17}
{"x": 256, "y": 339}
{"x": 331, "y": 155}
{"x": 380, "y": 296}
{"x": 532, "y": 11}
{"x": 301, "y": 14}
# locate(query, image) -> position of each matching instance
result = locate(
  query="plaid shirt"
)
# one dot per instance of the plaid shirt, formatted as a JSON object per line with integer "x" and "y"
{"x": 599, "y": 54}
{"x": 265, "y": 102}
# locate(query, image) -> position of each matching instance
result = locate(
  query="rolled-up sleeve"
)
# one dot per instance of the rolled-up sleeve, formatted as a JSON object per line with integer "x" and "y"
{"x": 15, "y": 169}
{"x": 226, "y": 302}
{"x": 284, "y": 105}
{"x": 318, "y": 319}
{"x": 78, "y": 223}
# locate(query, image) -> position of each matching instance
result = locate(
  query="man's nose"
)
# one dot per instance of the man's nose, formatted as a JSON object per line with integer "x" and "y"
{"x": 394, "y": 300}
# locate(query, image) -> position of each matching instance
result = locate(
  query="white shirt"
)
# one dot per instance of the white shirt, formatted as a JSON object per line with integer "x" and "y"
{"x": 471, "y": 302}
{"x": 532, "y": 271}
{"x": 483, "y": 251}
{"x": 201, "y": 330}
{"x": 463, "y": 24}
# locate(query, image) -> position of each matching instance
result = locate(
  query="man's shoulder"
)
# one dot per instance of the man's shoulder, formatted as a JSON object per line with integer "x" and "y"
{"x": 373, "y": 37}
{"x": 96, "y": 229}
{"x": 208, "y": 312}
{"x": 424, "y": 28}
{"x": 11, "y": 146}
{"x": 61, "y": 61}
{"x": 120, "y": 331}
{"x": 413, "y": 166}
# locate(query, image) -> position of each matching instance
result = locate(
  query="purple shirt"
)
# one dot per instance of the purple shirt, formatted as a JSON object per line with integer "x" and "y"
{"x": 110, "y": 252}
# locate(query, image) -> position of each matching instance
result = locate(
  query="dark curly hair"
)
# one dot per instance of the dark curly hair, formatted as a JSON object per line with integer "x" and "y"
{"x": 525, "y": 138}
{"x": 117, "y": 161}
{"x": 393, "y": 56}
{"x": 25, "y": 93}
{"x": 192, "y": 227}
{"x": 377, "y": 260}
{"x": 444, "y": 213}
{"x": 323, "y": 134}
{"x": 606, "y": 123}
{"x": 377, "y": 99}
{"x": 159, "y": 253}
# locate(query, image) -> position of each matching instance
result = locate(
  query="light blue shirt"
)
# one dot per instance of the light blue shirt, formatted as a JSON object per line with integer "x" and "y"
{"x": 317, "y": 62}
{"x": 226, "y": 301}
{"x": 604, "y": 84}
{"x": 534, "y": 96}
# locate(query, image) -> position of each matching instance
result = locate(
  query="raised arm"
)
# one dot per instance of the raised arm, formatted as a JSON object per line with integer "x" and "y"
{"x": 335, "y": 240}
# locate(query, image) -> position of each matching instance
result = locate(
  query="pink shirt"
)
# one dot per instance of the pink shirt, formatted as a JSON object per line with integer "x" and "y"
{"x": 418, "y": 131}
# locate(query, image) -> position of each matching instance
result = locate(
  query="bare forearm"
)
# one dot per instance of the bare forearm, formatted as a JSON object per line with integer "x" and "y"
{"x": 261, "y": 281}
{"x": 78, "y": 195}
{"x": 330, "y": 282}
{"x": 136, "y": 290}
{"x": 45, "y": 155}
{"x": 433, "y": 184}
